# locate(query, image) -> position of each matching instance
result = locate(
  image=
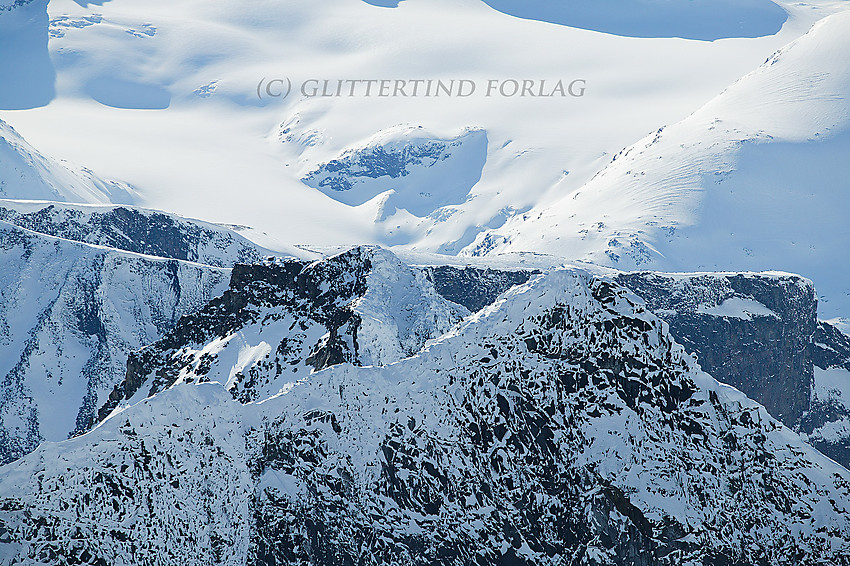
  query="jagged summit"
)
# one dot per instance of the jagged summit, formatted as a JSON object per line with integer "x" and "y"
{"x": 283, "y": 319}
{"x": 560, "y": 425}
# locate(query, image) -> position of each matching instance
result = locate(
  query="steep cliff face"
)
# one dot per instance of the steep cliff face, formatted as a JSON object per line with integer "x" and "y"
{"x": 472, "y": 287}
{"x": 69, "y": 314}
{"x": 827, "y": 425}
{"x": 561, "y": 425}
{"x": 280, "y": 321}
{"x": 831, "y": 347}
{"x": 753, "y": 331}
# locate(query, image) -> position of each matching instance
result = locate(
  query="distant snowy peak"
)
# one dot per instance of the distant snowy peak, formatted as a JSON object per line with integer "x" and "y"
{"x": 27, "y": 174}
{"x": 417, "y": 171}
{"x": 136, "y": 230}
{"x": 280, "y": 321}
{"x": 713, "y": 191}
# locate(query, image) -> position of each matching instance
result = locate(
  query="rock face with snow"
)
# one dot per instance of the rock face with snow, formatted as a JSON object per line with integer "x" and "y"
{"x": 827, "y": 425}
{"x": 134, "y": 230}
{"x": 81, "y": 287}
{"x": 560, "y": 425}
{"x": 69, "y": 314}
{"x": 753, "y": 331}
{"x": 421, "y": 171}
{"x": 280, "y": 321}
{"x": 473, "y": 287}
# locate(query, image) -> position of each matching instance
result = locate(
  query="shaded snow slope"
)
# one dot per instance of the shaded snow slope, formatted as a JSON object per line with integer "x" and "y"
{"x": 26, "y": 68}
{"x": 755, "y": 180}
{"x": 27, "y": 174}
{"x": 562, "y": 424}
{"x": 706, "y": 20}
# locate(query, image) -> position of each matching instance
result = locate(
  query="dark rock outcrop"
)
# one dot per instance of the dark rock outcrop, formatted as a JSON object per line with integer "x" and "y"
{"x": 314, "y": 314}
{"x": 134, "y": 230}
{"x": 473, "y": 287}
{"x": 765, "y": 351}
{"x": 831, "y": 347}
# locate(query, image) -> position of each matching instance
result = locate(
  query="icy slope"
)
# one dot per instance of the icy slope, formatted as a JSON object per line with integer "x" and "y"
{"x": 278, "y": 322}
{"x": 69, "y": 314}
{"x": 755, "y": 180}
{"x": 561, "y": 425}
{"x": 706, "y": 20}
{"x": 27, "y": 174}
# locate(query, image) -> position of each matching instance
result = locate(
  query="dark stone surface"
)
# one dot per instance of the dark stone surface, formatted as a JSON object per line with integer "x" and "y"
{"x": 140, "y": 231}
{"x": 472, "y": 287}
{"x": 831, "y": 347}
{"x": 769, "y": 358}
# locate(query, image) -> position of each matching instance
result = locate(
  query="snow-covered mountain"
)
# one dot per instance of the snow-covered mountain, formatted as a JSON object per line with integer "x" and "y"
{"x": 80, "y": 288}
{"x": 754, "y": 180}
{"x": 574, "y": 353}
{"x": 177, "y": 107}
{"x": 279, "y": 322}
{"x": 560, "y": 425}
{"x": 69, "y": 314}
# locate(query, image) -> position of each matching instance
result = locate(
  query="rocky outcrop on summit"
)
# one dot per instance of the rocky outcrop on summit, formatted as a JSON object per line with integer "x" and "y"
{"x": 134, "y": 230}
{"x": 561, "y": 425}
{"x": 282, "y": 320}
{"x": 750, "y": 330}
{"x": 69, "y": 314}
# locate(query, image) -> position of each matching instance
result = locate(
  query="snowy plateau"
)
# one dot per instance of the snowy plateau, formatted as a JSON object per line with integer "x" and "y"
{"x": 249, "y": 318}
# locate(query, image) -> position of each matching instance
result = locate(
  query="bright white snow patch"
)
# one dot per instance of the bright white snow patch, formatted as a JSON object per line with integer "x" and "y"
{"x": 738, "y": 307}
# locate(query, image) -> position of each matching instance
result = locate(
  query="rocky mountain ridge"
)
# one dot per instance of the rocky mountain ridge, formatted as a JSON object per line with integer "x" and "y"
{"x": 560, "y": 425}
{"x": 81, "y": 288}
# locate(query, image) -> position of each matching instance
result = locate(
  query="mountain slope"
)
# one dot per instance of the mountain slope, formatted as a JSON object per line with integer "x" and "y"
{"x": 279, "y": 322}
{"x": 714, "y": 191}
{"x": 27, "y": 174}
{"x": 184, "y": 78}
{"x": 562, "y": 425}
{"x": 69, "y": 314}
{"x": 135, "y": 230}
{"x": 81, "y": 287}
